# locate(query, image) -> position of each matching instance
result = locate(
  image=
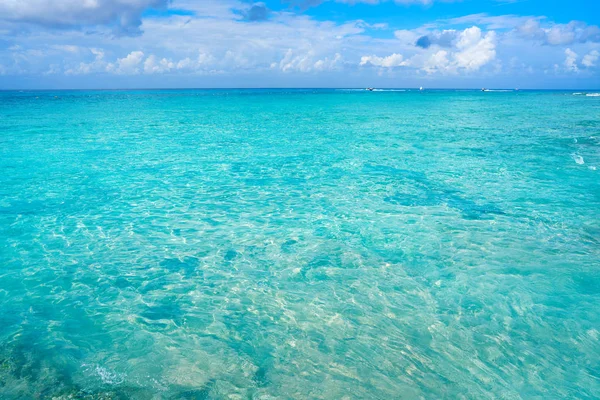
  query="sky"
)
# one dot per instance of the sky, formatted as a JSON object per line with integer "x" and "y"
{"x": 85, "y": 44}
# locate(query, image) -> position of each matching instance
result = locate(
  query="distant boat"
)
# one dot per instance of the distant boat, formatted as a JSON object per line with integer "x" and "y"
{"x": 421, "y": 88}
{"x": 484, "y": 90}
{"x": 370, "y": 89}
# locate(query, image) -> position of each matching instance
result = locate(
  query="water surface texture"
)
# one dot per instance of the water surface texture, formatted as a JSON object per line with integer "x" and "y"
{"x": 299, "y": 244}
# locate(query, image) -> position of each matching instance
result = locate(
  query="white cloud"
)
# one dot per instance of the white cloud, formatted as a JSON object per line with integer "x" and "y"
{"x": 534, "y": 28}
{"x": 125, "y": 15}
{"x": 202, "y": 62}
{"x": 393, "y": 60}
{"x": 531, "y": 29}
{"x": 303, "y": 62}
{"x": 558, "y": 34}
{"x": 406, "y": 37}
{"x": 219, "y": 39}
{"x": 307, "y": 62}
{"x": 475, "y": 49}
{"x": 328, "y": 64}
{"x": 571, "y": 60}
{"x": 53, "y": 69}
{"x": 99, "y": 64}
{"x": 437, "y": 62}
{"x": 128, "y": 65}
{"x": 66, "y": 48}
{"x": 491, "y": 22}
{"x": 590, "y": 59}
{"x": 153, "y": 65}
{"x": 453, "y": 51}
{"x": 443, "y": 38}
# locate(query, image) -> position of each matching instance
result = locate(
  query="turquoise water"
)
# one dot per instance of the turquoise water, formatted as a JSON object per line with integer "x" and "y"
{"x": 299, "y": 245}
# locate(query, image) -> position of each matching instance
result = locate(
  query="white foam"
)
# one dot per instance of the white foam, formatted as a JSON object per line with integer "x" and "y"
{"x": 593, "y": 95}
{"x": 578, "y": 159}
{"x": 107, "y": 376}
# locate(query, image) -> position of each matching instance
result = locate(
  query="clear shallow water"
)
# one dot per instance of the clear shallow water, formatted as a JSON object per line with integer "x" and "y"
{"x": 299, "y": 244}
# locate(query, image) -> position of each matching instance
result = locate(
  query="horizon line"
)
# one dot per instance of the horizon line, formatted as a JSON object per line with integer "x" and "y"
{"x": 293, "y": 88}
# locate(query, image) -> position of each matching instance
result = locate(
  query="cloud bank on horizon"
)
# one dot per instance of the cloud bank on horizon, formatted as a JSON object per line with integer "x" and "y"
{"x": 317, "y": 43}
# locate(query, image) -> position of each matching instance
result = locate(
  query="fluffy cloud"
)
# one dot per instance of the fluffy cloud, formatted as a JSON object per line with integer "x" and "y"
{"x": 125, "y": 15}
{"x": 467, "y": 50}
{"x": 153, "y": 65}
{"x": 444, "y": 38}
{"x": 394, "y": 60}
{"x": 306, "y": 62}
{"x": 475, "y": 49}
{"x": 328, "y": 64}
{"x": 571, "y": 60}
{"x": 128, "y": 65}
{"x": 437, "y": 62}
{"x": 406, "y": 37}
{"x": 491, "y": 21}
{"x": 534, "y": 28}
{"x": 589, "y": 60}
{"x": 99, "y": 64}
{"x": 559, "y": 34}
{"x": 203, "y": 62}
{"x": 228, "y": 38}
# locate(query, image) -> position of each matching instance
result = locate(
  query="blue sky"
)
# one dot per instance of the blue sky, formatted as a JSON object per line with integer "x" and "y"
{"x": 299, "y": 43}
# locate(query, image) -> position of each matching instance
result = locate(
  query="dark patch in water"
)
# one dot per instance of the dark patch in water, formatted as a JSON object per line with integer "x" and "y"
{"x": 158, "y": 283}
{"x": 396, "y": 173}
{"x": 26, "y": 362}
{"x": 195, "y": 394}
{"x": 260, "y": 377}
{"x": 122, "y": 283}
{"x": 246, "y": 325}
{"x": 587, "y": 284}
{"x": 186, "y": 266}
{"x": 412, "y": 200}
{"x": 211, "y": 221}
{"x": 315, "y": 270}
{"x": 259, "y": 182}
{"x": 288, "y": 246}
{"x": 428, "y": 193}
{"x": 230, "y": 255}
{"x": 167, "y": 310}
{"x": 472, "y": 210}
{"x": 25, "y": 207}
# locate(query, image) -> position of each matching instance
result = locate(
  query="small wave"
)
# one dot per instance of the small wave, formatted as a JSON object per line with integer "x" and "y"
{"x": 578, "y": 94}
{"x": 389, "y": 90}
{"x": 497, "y": 90}
{"x": 593, "y": 95}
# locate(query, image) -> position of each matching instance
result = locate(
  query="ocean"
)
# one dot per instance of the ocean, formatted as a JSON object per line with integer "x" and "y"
{"x": 299, "y": 244}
